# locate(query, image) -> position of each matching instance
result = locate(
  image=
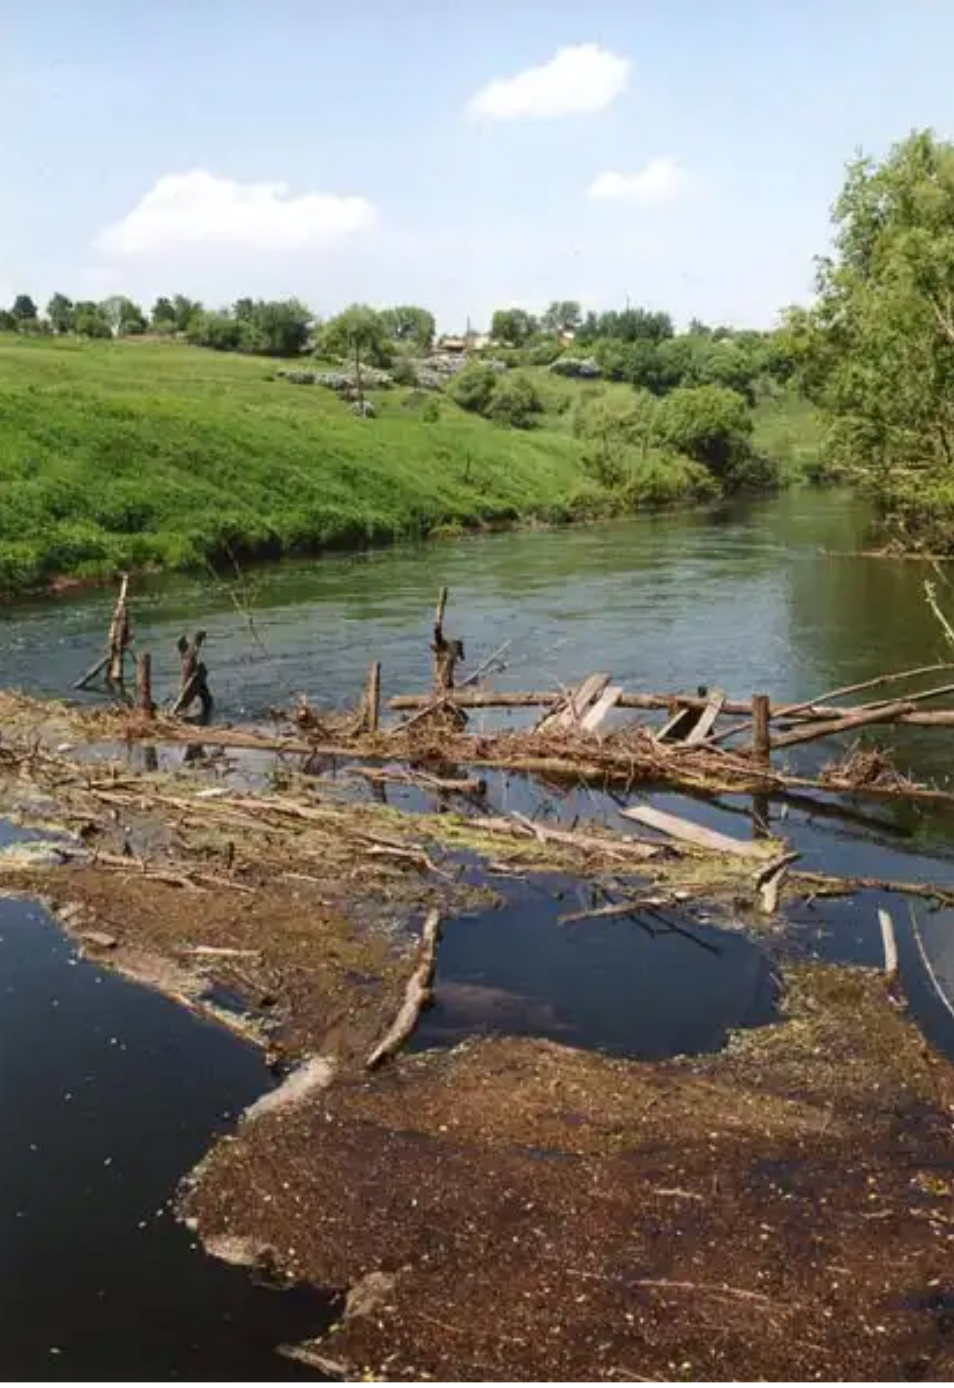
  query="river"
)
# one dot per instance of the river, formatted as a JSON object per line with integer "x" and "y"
{"x": 757, "y": 596}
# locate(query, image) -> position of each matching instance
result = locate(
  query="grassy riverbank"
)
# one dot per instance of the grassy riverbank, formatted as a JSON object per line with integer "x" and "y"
{"x": 116, "y": 455}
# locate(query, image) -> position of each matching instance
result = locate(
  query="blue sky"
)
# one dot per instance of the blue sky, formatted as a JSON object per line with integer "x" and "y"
{"x": 680, "y": 152}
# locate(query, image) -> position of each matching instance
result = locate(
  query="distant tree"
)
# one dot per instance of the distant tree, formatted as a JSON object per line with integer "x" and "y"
{"x": 185, "y": 310}
{"x": 414, "y": 327}
{"x": 274, "y": 328}
{"x": 90, "y": 321}
{"x": 219, "y": 331}
{"x": 8, "y": 323}
{"x": 512, "y": 326}
{"x": 24, "y": 311}
{"x": 163, "y": 316}
{"x": 125, "y": 318}
{"x": 562, "y": 316}
{"x": 61, "y": 313}
{"x": 358, "y": 335}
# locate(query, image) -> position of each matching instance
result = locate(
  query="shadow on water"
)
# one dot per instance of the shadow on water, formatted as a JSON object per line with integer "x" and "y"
{"x": 648, "y": 986}
{"x": 109, "y": 1094}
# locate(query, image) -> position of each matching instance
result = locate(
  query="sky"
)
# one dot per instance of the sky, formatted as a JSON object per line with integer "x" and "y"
{"x": 465, "y": 155}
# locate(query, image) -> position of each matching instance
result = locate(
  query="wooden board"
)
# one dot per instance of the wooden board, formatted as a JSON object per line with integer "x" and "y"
{"x": 603, "y": 706}
{"x": 711, "y": 712}
{"x": 576, "y": 705}
{"x": 687, "y": 832}
{"x": 671, "y": 725}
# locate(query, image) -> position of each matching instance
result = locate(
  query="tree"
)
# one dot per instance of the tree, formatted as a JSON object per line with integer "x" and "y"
{"x": 876, "y": 351}
{"x": 163, "y": 316}
{"x": 8, "y": 324}
{"x": 185, "y": 310}
{"x": 412, "y": 326}
{"x": 219, "y": 331}
{"x": 512, "y": 326}
{"x": 61, "y": 313}
{"x": 89, "y": 320}
{"x": 123, "y": 316}
{"x": 358, "y": 334}
{"x": 562, "y": 316}
{"x": 473, "y": 388}
{"x": 709, "y": 424}
{"x": 274, "y": 328}
{"x": 24, "y": 311}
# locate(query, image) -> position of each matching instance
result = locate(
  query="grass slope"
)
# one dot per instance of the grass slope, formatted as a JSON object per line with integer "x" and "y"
{"x": 134, "y": 454}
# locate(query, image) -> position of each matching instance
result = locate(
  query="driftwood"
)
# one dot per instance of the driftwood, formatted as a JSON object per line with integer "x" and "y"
{"x": 884, "y": 713}
{"x": 519, "y": 826}
{"x": 576, "y": 703}
{"x": 417, "y": 996}
{"x": 685, "y": 831}
{"x": 193, "y": 679}
{"x": 890, "y": 945}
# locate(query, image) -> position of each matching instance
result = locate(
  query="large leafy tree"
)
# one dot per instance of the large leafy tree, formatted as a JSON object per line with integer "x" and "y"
{"x": 358, "y": 335}
{"x": 124, "y": 317}
{"x": 876, "y": 351}
{"x": 61, "y": 313}
{"x": 24, "y": 310}
{"x": 562, "y": 316}
{"x": 410, "y": 325}
{"x": 512, "y": 326}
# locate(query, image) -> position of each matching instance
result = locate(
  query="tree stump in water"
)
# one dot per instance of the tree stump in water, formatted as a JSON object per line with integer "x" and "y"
{"x": 446, "y": 653}
{"x": 194, "y": 677}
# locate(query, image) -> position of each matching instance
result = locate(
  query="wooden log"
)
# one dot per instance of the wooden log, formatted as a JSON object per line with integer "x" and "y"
{"x": 372, "y": 698}
{"x": 519, "y": 826}
{"x": 144, "y": 682}
{"x": 684, "y": 831}
{"x": 417, "y": 996}
{"x": 888, "y": 713}
{"x": 704, "y": 725}
{"x": 92, "y": 672}
{"x": 119, "y": 636}
{"x": 761, "y": 729}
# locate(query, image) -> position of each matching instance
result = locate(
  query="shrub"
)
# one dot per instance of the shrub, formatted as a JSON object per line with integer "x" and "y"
{"x": 514, "y": 401}
{"x": 474, "y": 388}
{"x": 710, "y": 424}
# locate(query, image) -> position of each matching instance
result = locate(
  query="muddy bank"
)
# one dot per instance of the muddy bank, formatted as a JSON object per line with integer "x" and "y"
{"x": 780, "y": 1210}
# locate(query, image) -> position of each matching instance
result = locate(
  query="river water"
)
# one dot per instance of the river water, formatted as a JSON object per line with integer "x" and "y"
{"x": 755, "y": 597}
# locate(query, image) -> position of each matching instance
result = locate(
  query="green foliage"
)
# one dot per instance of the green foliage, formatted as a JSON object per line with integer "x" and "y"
{"x": 61, "y": 313}
{"x": 8, "y": 324}
{"x": 220, "y": 331}
{"x": 124, "y": 318}
{"x": 90, "y": 321}
{"x": 562, "y": 316}
{"x": 512, "y": 326}
{"x": 514, "y": 400}
{"x": 357, "y": 334}
{"x": 876, "y": 352}
{"x": 628, "y": 325}
{"x": 163, "y": 316}
{"x": 713, "y": 426}
{"x": 24, "y": 309}
{"x": 412, "y": 326}
{"x": 473, "y": 388}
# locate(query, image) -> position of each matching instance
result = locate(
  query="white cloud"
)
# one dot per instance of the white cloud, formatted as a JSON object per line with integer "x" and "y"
{"x": 660, "y": 182}
{"x": 198, "y": 209}
{"x": 576, "y": 81}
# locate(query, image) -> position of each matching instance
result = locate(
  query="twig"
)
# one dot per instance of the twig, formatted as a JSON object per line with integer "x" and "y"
{"x": 932, "y": 602}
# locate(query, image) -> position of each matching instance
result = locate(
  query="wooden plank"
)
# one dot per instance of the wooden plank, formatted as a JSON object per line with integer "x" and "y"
{"x": 603, "y": 706}
{"x": 575, "y": 705}
{"x": 711, "y": 712}
{"x": 671, "y": 725}
{"x": 687, "y": 832}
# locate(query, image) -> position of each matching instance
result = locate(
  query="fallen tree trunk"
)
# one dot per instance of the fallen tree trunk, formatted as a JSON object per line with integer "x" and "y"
{"x": 884, "y": 713}
{"x": 686, "y": 832}
{"x": 417, "y": 996}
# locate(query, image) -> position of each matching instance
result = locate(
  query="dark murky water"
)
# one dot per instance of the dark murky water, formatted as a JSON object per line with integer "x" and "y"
{"x": 651, "y": 985}
{"x": 109, "y": 1094}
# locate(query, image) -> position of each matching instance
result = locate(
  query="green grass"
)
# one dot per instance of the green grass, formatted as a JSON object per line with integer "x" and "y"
{"x": 141, "y": 454}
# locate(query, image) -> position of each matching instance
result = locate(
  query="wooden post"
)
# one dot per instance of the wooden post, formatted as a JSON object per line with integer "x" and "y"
{"x": 193, "y": 681}
{"x": 144, "y": 681}
{"x": 119, "y": 636}
{"x": 372, "y": 698}
{"x": 446, "y": 653}
{"x": 761, "y": 717}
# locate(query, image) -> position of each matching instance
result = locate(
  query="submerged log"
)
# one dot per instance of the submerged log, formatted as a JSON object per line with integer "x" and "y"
{"x": 684, "y": 831}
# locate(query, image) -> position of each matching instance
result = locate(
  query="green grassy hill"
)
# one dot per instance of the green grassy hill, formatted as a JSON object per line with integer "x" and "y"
{"x": 137, "y": 454}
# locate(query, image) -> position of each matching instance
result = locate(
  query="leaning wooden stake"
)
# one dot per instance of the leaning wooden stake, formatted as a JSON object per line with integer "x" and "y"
{"x": 417, "y": 996}
{"x": 890, "y": 946}
{"x": 120, "y": 636}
